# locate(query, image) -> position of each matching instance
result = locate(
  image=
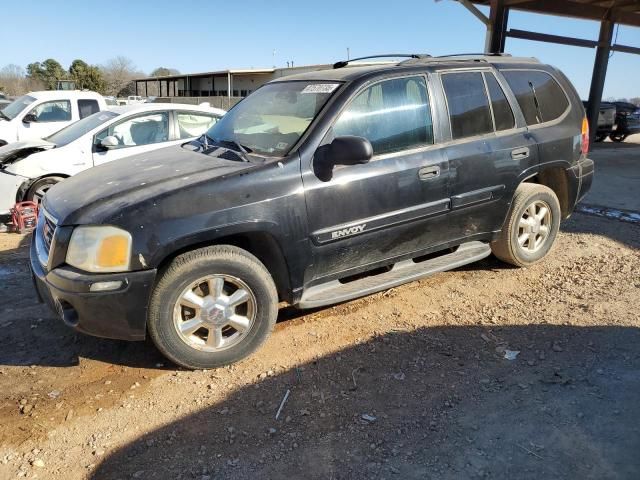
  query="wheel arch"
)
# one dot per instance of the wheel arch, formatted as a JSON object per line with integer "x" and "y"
{"x": 557, "y": 178}
{"x": 261, "y": 244}
{"x": 21, "y": 194}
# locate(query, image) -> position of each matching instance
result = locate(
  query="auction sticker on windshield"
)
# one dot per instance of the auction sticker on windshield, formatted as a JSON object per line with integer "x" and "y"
{"x": 320, "y": 88}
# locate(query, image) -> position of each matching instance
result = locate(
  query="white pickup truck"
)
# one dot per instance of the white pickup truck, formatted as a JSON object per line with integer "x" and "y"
{"x": 131, "y": 100}
{"x": 39, "y": 114}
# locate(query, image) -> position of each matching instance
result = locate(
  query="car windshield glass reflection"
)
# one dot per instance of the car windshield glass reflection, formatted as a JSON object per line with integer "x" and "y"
{"x": 17, "y": 106}
{"x": 271, "y": 120}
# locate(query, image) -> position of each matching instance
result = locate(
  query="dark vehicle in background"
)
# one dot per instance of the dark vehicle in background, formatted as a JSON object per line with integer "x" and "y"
{"x": 315, "y": 189}
{"x": 606, "y": 120}
{"x": 627, "y": 121}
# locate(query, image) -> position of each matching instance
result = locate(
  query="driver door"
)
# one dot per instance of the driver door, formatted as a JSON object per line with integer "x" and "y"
{"x": 393, "y": 205}
{"x": 50, "y": 117}
{"x": 138, "y": 134}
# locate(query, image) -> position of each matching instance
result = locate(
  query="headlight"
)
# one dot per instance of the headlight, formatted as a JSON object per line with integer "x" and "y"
{"x": 99, "y": 249}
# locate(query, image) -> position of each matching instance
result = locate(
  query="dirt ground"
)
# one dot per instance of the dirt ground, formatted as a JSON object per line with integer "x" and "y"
{"x": 409, "y": 383}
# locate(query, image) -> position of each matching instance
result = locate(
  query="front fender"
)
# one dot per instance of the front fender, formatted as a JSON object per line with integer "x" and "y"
{"x": 209, "y": 237}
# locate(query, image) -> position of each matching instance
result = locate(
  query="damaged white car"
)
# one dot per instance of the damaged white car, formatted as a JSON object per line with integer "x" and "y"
{"x": 28, "y": 169}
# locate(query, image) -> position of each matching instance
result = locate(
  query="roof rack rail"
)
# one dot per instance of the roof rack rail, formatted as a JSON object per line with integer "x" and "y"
{"x": 475, "y": 55}
{"x": 344, "y": 63}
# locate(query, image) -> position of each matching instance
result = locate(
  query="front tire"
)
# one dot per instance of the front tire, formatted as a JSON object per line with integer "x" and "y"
{"x": 618, "y": 138}
{"x": 212, "y": 307}
{"x": 40, "y": 187}
{"x": 531, "y": 227}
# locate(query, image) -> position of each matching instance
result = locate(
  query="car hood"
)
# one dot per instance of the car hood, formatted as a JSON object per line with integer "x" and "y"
{"x": 15, "y": 151}
{"x": 102, "y": 192}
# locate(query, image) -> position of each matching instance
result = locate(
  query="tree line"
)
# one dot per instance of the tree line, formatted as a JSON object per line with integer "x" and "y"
{"x": 113, "y": 78}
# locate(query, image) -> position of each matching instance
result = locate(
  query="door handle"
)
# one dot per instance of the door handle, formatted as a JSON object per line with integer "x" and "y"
{"x": 428, "y": 173}
{"x": 520, "y": 153}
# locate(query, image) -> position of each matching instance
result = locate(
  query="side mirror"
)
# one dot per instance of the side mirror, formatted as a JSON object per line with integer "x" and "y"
{"x": 29, "y": 118}
{"x": 350, "y": 150}
{"x": 345, "y": 150}
{"x": 109, "y": 142}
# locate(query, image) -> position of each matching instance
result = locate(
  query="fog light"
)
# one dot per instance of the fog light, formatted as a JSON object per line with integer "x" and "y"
{"x": 105, "y": 286}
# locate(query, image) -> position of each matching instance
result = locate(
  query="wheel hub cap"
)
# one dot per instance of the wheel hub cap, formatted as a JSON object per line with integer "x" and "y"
{"x": 534, "y": 226}
{"x": 214, "y": 313}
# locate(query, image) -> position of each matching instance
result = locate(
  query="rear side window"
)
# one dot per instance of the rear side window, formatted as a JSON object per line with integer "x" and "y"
{"x": 539, "y": 95}
{"x": 393, "y": 115}
{"x": 502, "y": 114}
{"x": 468, "y": 104}
{"x": 194, "y": 124}
{"x": 87, "y": 107}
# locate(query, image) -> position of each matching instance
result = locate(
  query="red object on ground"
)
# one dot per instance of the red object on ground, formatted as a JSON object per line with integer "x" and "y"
{"x": 24, "y": 216}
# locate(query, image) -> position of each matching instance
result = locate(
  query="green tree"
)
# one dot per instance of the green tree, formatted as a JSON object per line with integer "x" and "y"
{"x": 34, "y": 71}
{"x": 163, "y": 72}
{"x": 48, "y": 72}
{"x": 87, "y": 76}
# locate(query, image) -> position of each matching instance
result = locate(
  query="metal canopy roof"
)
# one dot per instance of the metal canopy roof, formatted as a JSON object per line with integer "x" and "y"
{"x": 179, "y": 76}
{"x": 607, "y": 13}
{"x": 624, "y": 12}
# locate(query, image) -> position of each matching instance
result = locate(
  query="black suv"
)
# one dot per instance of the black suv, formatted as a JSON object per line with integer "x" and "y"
{"x": 316, "y": 189}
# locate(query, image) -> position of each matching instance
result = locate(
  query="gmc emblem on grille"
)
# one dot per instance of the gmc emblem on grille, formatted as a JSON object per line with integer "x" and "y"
{"x": 345, "y": 232}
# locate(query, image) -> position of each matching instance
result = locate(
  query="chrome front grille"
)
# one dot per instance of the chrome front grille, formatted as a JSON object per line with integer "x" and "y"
{"x": 45, "y": 233}
{"x": 48, "y": 229}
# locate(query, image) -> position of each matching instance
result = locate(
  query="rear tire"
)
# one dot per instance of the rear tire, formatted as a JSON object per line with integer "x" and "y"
{"x": 531, "y": 226}
{"x": 212, "y": 307}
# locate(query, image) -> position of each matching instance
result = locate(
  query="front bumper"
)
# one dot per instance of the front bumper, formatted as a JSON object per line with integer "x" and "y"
{"x": 9, "y": 186}
{"x": 119, "y": 314}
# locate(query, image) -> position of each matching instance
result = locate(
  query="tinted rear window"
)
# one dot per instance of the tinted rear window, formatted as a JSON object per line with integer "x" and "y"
{"x": 502, "y": 113}
{"x": 87, "y": 107}
{"x": 468, "y": 104}
{"x": 539, "y": 95}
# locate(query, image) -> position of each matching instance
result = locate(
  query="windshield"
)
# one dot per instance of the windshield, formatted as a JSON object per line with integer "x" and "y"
{"x": 273, "y": 118}
{"x": 17, "y": 106}
{"x": 78, "y": 129}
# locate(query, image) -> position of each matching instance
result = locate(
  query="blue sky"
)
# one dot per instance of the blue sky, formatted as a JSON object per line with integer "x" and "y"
{"x": 200, "y": 35}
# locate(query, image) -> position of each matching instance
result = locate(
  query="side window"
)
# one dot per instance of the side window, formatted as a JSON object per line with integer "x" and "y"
{"x": 468, "y": 104}
{"x": 141, "y": 130}
{"x": 502, "y": 114}
{"x": 540, "y": 97}
{"x": 57, "y": 111}
{"x": 194, "y": 124}
{"x": 87, "y": 107}
{"x": 393, "y": 115}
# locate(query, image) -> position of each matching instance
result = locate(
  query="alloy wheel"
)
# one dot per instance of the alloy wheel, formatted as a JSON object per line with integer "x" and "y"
{"x": 215, "y": 313}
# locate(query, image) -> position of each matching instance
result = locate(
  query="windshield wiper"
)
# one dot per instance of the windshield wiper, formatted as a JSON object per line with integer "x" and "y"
{"x": 240, "y": 148}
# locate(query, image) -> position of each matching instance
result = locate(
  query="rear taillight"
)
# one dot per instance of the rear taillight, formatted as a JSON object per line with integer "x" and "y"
{"x": 585, "y": 136}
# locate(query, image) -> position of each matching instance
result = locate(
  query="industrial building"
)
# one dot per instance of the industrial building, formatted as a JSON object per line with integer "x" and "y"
{"x": 221, "y": 88}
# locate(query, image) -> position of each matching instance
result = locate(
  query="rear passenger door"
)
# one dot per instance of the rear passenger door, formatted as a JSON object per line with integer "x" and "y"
{"x": 193, "y": 124}
{"x": 488, "y": 149}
